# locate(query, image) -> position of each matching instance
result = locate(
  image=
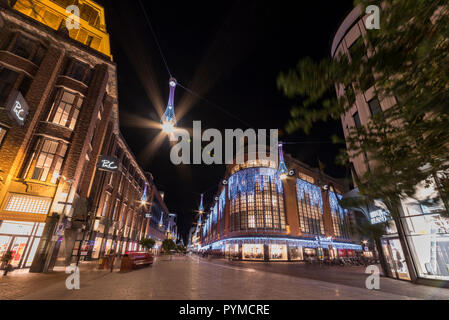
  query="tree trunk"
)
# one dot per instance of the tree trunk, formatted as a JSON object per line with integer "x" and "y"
{"x": 382, "y": 258}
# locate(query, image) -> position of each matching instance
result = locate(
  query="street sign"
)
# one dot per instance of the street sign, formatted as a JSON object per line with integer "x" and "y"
{"x": 107, "y": 163}
{"x": 17, "y": 108}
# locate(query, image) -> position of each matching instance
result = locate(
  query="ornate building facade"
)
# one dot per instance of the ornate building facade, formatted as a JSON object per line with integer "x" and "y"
{"x": 70, "y": 188}
{"x": 257, "y": 215}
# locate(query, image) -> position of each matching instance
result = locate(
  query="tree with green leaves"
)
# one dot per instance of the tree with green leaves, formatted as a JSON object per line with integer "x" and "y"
{"x": 406, "y": 144}
{"x": 147, "y": 243}
{"x": 168, "y": 245}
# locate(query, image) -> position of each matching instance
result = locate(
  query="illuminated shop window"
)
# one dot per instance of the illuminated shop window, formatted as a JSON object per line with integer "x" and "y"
{"x": 2, "y": 135}
{"x": 66, "y": 109}
{"x": 295, "y": 252}
{"x": 278, "y": 252}
{"x": 310, "y": 207}
{"x": 252, "y": 252}
{"x": 27, "y": 204}
{"x": 339, "y": 217}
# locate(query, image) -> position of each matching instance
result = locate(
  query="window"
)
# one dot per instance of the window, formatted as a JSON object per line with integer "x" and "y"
{"x": 8, "y": 79}
{"x": 357, "y": 122}
{"x": 374, "y": 106}
{"x": 28, "y": 204}
{"x": 338, "y": 214}
{"x": 2, "y": 135}
{"x": 357, "y": 47}
{"x": 79, "y": 71}
{"x": 23, "y": 47}
{"x": 310, "y": 207}
{"x": 256, "y": 200}
{"x": 47, "y": 157}
{"x": 66, "y": 109}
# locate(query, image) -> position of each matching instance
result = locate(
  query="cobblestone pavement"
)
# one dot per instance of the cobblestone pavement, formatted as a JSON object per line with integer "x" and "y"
{"x": 194, "y": 278}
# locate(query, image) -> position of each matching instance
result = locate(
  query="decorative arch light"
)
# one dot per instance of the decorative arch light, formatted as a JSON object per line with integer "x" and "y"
{"x": 168, "y": 118}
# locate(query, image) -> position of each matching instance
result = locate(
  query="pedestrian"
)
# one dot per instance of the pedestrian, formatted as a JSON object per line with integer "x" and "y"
{"x": 6, "y": 261}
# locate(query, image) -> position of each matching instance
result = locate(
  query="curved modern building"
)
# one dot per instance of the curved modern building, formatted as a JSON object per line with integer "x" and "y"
{"x": 257, "y": 215}
{"x": 416, "y": 247}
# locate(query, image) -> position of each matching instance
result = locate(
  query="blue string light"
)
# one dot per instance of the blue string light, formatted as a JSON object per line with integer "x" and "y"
{"x": 306, "y": 243}
{"x": 314, "y": 192}
{"x": 335, "y": 206}
{"x": 245, "y": 181}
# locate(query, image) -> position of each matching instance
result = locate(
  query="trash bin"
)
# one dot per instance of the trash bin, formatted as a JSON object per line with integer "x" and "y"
{"x": 102, "y": 263}
{"x": 126, "y": 264}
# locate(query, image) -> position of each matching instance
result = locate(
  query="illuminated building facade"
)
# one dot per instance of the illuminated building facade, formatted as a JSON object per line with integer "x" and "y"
{"x": 257, "y": 215}
{"x": 66, "y": 173}
{"x": 416, "y": 246}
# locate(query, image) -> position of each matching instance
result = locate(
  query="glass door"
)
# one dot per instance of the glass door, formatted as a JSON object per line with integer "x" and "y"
{"x": 18, "y": 248}
{"x": 395, "y": 257}
{"x": 4, "y": 244}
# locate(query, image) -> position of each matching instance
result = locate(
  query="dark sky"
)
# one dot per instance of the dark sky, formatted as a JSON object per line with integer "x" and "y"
{"x": 230, "y": 52}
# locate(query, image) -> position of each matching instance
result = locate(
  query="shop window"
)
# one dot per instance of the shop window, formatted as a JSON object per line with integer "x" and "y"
{"x": 66, "y": 109}
{"x": 295, "y": 252}
{"x": 278, "y": 252}
{"x": 357, "y": 122}
{"x": 252, "y": 252}
{"x": 2, "y": 135}
{"x": 374, "y": 107}
{"x": 46, "y": 161}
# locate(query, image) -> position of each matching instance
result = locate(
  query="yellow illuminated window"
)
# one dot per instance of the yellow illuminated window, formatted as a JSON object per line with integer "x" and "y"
{"x": 27, "y": 204}
{"x": 307, "y": 178}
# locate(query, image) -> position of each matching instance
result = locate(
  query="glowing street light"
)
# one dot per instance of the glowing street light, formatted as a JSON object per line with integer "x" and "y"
{"x": 168, "y": 118}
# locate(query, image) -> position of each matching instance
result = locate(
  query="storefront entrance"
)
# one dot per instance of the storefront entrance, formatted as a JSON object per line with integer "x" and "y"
{"x": 395, "y": 258}
{"x": 22, "y": 238}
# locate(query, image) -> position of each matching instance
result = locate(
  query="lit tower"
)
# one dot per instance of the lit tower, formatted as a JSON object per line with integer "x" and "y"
{"x": 282, "y": 169}
{"x": 168, "y": 118}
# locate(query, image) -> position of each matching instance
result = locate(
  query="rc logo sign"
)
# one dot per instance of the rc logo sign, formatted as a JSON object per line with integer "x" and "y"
{"x": 107, "y": 163}
{"x": 17, "y": 108}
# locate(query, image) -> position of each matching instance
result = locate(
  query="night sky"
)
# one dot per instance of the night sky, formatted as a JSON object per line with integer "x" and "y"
{"x": 231, "y": 53}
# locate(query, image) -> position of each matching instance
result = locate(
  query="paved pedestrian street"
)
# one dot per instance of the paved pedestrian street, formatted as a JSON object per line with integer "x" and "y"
{"x": 191, "y": 277}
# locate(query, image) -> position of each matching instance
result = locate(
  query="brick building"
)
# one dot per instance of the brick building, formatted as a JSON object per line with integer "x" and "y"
{"x": 257, "y": 215}
{"x": 58, "y": 121}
